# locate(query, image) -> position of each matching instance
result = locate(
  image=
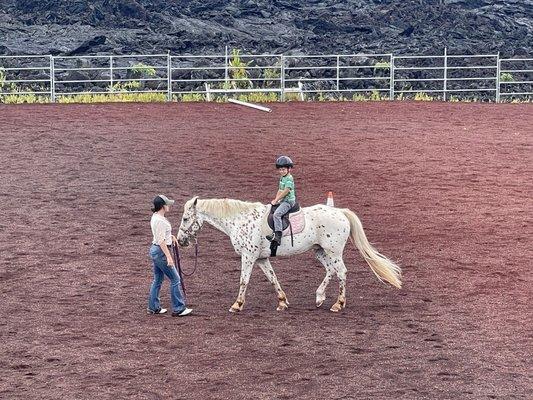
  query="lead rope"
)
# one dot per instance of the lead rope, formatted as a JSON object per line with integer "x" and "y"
{"x": 178, "y": 264}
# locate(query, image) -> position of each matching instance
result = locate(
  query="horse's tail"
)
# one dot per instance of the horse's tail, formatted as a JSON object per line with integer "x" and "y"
{"x": 382, "y": 267}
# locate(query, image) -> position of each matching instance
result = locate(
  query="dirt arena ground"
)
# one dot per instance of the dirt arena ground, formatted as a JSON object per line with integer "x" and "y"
{"x": 443, "y": 189}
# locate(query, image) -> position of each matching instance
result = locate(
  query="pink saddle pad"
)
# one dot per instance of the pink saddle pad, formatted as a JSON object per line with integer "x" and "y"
{"x": 297, "y": 222}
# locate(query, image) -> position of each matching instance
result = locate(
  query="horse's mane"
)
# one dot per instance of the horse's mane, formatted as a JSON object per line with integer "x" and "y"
{"x": 224, "y": 208}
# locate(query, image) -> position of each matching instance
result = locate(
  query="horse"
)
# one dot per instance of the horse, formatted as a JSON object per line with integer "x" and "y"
{"x": 326, "y": 231}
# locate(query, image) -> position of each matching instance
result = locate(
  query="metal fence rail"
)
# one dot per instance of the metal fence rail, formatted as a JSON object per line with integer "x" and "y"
{"x": 225, "y": 74}
{"x": 335, "y": 76}
{"x": 26, "y": 75}
{"x": 515, "y": 77}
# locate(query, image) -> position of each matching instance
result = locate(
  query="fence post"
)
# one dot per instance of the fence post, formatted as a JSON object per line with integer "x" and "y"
{"x": 282, "y": 78}
{"x": 391, "y": 81}
{"x": 52, "y": 81}
{"x": 111, "y": 74}
{"x": 169, "y": 76}
{"x": 226, "y": 74}
{"x": 498, "y": 68}
{"x": 445, "y": 73}
{"x": 338, "y": 73}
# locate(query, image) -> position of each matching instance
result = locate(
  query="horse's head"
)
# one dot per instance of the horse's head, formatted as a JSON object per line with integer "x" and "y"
{"x": 190, "y": 223}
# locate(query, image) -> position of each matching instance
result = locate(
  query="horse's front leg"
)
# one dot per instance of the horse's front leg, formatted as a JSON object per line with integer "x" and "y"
{"x": 247, "y": 264}
{"x": 266, "y": 267}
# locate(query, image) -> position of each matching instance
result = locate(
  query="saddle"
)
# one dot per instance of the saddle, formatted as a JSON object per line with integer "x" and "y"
{"x": 284, "y": 218}
{"x": 286, "y": 225}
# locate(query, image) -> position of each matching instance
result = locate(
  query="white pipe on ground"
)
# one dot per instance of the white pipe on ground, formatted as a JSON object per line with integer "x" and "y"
{"x": 243, "y": 103}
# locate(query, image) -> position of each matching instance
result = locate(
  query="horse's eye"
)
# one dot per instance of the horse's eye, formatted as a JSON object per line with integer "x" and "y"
{"x": 185, "y": 219}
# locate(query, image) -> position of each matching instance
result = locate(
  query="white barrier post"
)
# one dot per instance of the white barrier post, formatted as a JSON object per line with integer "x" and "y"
{"x": 207, "y": 92}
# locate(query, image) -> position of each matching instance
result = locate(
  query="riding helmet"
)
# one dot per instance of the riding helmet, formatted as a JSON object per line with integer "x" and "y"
{"x": 284, "y": 162}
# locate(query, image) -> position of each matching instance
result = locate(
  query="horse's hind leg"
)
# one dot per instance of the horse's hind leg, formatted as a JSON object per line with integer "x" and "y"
{"x": 326, "y": 261}
{"x": 340, "y": 269}
{"x": 266, "y": 267}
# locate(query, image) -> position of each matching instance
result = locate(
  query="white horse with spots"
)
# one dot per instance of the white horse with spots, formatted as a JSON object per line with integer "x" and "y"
{"x": 326, "y": 231}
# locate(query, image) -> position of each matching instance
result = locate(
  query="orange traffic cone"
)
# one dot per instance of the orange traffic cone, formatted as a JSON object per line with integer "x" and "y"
{"x": 329, "y": 201}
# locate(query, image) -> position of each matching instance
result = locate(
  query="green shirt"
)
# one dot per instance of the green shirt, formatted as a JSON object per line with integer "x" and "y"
{"x": 285, "y": 182}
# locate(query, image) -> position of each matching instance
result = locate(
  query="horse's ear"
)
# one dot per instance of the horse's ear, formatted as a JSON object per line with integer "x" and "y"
{"x": 195, "y": 201}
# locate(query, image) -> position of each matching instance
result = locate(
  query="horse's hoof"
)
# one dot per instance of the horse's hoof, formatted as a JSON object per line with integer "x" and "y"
{"x": 235, "y": 308}
{"x": 319, "y": 303}
{"x": 282, "y": 306}
{"x": 336, "y": 307}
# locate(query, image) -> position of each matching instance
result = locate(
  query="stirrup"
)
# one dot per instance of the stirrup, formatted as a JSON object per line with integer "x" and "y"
{"x": 277, "y": 237}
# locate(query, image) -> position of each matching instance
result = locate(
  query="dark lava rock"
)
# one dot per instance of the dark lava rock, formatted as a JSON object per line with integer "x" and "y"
{"x": 289, "y": 26}
{"x": 5, "y": 51}
{"x": 86, "y": 47}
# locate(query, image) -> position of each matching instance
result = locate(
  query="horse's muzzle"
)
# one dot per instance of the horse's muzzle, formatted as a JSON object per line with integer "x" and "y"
{"x": 183, "y": 240}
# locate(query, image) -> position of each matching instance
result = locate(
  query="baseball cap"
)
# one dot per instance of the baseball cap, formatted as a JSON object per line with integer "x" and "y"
{"x": 167, "y": 201}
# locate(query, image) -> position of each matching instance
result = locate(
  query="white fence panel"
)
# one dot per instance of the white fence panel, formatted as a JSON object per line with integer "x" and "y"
{"x": 282, "y": 77}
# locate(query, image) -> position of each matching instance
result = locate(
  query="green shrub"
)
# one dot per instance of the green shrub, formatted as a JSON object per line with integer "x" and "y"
{"x": 143, "y": 70}
{"x": 400, "y": 97}
{"x": 23, "y": 98}
{"x": 15, "y": 97}
{"x": 260, "y": 97}
{"x": 375, "y": 96}
{"x": 237, "y": 71}
{"x": 359, "y": 97}
{"x": 125, "y": 86}
{"x": 272, "y": 76}
{"x": 192, "y": 97}
{"x": 2, "y": 78}
{"x": 382, "y": 67}
{"x": 506, "y": 77}
{"x": 527, "y": 99}
{"x": 125, "y": 97}
{"x": 420, "y": 96}
{"x": 292, "y": 96}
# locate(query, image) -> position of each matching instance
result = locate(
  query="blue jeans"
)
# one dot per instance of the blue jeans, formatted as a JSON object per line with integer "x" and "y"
{"x": 282, "y": 209}
{"x": 159, "y": 262}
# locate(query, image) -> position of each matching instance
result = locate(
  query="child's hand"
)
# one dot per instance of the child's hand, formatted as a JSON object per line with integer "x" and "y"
{"x": 273, "y": 202}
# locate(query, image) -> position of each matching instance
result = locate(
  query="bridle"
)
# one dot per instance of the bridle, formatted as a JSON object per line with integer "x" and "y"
{"x": 192, "y": 230}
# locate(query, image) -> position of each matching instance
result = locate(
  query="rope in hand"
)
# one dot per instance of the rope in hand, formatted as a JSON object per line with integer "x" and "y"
{"x": 178, "y": 263}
